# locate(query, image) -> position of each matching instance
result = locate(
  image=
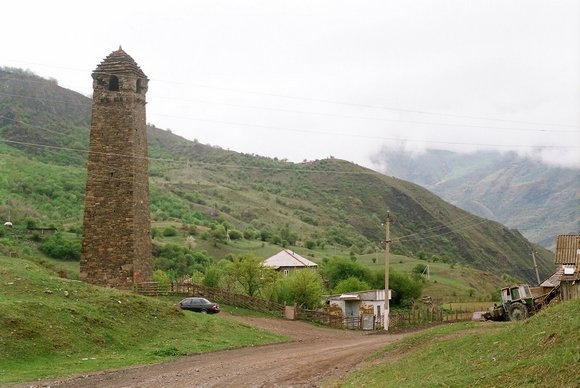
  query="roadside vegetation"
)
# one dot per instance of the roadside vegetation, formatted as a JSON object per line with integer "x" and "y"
{"x": 51, "y": 326}
{"x": 543, "y": 351}
{"x": 235, "y": 266}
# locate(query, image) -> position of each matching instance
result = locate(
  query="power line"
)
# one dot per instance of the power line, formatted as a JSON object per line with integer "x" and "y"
{"x": 455, "y": 228}
{"x": 369, "y": 118}
{"x": 347, "y": 134}
{"x": 461, "y": 223}
{"x": 371, "y": 136}
{"x": 416, "y": 111}
{"x": 289, "y": 129}
{"x": 189, "y": 162}
{"x": 344, "y": 103}
{"x": 381, "y": 119}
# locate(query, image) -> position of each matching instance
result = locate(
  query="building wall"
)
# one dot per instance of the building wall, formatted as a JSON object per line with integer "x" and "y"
{"x": 116, "y": 246}
{"x": 568, "y": 256}
{"x": 570, "y": 290}
{"x": 287, "y": 271}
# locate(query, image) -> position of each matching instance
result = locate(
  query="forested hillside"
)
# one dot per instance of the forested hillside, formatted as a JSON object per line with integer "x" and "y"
{"x": 44, "y": 139}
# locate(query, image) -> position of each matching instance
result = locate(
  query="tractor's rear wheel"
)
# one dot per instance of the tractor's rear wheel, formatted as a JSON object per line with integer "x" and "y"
{"x": 518, "y": 312}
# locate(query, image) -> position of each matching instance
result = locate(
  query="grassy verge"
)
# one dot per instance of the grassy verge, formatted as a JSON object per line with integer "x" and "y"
{"x": 542, "y": 351}
{"x": 54, "y": 327}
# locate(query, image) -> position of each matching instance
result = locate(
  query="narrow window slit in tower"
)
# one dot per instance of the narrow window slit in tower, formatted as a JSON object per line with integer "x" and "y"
{"x": 114, "y": 83}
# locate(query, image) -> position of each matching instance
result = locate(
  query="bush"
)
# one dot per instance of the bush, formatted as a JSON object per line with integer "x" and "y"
{"x": 309, "y": 244}
{"x": 250, "y": 233}
{"x": 235, "y": 234}
{"x": 170, "y": 231}
{"x": 303, "y": 288}
{"x": 213, "y": 276}
{"x": 350, "y": 285}
{"x": 420, "y": 269}
{"x": 57, "y": 247}
{"x": 405, "y": 288}
{"x": 338, "y": 269}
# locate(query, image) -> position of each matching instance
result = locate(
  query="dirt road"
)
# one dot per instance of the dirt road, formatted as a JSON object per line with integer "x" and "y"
{"x": 315, "y": 357}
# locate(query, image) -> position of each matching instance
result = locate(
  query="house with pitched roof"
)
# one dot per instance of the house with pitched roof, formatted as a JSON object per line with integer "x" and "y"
{"x": 287, "y": 261}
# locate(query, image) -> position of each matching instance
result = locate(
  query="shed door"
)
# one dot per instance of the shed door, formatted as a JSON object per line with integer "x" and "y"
{"x": 351, "y": 308}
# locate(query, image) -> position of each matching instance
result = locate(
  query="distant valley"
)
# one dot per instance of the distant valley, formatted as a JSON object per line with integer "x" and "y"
{"x": 539, "y": 200}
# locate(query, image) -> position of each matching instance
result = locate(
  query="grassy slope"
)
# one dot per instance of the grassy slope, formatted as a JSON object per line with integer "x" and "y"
{"x": 329, "y": 201}
{"x": 446, "y": 282}
{"x": 53, "y": 327}
{"x": 543, "y": 351}
{"x": 313, "y": 198}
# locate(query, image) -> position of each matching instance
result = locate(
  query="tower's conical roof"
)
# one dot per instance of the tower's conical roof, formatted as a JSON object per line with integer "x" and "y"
{"x": 119, "y": 62}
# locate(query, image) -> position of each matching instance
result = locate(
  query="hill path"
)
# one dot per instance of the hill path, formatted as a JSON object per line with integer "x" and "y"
{"x": 314, "y": 357}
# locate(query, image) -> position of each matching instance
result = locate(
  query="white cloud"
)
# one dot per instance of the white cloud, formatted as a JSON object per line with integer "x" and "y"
{"x": 367, "y": 73}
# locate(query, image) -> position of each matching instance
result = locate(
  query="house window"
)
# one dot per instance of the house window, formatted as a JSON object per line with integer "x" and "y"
{"x": 286, "y": 272}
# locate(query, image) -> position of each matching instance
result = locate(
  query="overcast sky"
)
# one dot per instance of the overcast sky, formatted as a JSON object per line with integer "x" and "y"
{"x": 311, "y": 79}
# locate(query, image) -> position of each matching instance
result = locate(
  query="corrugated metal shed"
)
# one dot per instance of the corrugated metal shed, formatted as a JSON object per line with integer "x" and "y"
{"x": 568, "y": 250}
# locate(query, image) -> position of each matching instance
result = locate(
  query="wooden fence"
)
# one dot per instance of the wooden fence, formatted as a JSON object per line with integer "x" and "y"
{"x": 397, "y": 319}
{"x": 319, "y": 316}
{"x": 217, "y": 295}
{"x": 420, "y": 317}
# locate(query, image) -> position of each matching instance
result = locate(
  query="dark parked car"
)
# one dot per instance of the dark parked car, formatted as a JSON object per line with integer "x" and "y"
{"x": 200, "y": 305}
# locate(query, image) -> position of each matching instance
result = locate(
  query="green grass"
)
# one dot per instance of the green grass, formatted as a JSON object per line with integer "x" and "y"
{"x": 541, "y": 351}
{"x": 54, "y": 327}
{"x": 447, "y": 282}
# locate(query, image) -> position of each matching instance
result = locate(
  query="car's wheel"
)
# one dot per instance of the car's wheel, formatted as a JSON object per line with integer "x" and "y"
{"x": 518, "y": 312}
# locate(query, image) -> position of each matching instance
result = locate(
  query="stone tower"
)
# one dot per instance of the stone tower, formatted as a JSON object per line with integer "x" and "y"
{"x": 116, "y": 244}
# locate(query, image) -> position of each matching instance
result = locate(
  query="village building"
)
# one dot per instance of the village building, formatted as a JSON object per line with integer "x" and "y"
{"x": 362, "y": 309}
{"x": 287, "y": 261}
{"x": 549, "y": 284}
{"x": 568, "y": 259}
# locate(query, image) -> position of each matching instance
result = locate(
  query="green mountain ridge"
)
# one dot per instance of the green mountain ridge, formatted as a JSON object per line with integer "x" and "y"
{"x": 44, "y": 132}
{"x": 542, "y": 201}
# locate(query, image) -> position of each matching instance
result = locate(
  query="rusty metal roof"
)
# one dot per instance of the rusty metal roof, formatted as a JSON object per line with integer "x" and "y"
{"x": 568, "y": 249}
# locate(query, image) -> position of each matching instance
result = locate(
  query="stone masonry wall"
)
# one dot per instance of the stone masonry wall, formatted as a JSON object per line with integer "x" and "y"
{"x": 116, "y": 246}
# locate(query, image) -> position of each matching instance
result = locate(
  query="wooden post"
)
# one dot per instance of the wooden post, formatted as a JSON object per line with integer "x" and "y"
{"x": 535, "y": 265}
{"x": 387, "y": 259}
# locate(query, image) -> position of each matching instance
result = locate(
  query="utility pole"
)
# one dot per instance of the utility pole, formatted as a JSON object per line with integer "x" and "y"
{"x": 535, "y": 265}
{"x": 387, "y": 258}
